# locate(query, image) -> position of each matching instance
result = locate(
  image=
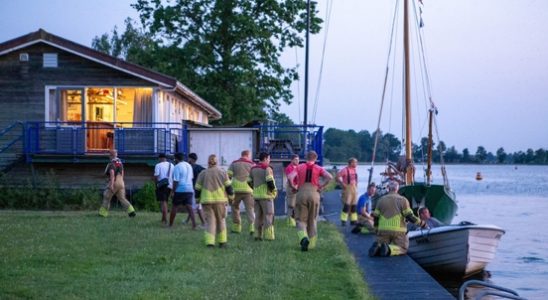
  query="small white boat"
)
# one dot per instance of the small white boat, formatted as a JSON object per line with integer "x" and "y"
{"x": 463, "y": 250}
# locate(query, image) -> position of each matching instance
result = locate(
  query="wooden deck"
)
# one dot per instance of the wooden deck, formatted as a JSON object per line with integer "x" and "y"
{"x": 398, "y": 277}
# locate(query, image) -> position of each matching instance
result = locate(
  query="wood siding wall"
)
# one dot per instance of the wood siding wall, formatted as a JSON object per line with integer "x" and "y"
{"x": 22, "y": 84}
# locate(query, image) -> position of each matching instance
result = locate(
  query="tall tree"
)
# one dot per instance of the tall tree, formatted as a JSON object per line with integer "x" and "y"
{"x": 228, "y": 50}
{"x": 481, "y": 154}
{"x": 466, "y": 155}
{"x": 501, "y": 155}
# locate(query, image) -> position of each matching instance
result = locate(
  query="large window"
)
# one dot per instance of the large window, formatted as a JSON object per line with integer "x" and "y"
{"x": 99, "y": 104}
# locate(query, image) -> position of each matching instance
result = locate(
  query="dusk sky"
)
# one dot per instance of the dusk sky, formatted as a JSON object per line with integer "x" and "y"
{"x": 488, "y": 63}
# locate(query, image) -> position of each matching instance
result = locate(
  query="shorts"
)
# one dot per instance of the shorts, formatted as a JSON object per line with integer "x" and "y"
{"x": 162, "y": 193}
{"x": 184, "y": 198}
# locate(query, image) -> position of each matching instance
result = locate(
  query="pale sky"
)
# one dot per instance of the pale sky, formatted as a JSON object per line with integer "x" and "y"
{"x": 488, "y": 63}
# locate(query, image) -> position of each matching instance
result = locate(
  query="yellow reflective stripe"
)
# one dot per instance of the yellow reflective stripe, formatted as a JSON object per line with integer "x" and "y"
{"x": 227, "y": 183}
{"x": 394, "y": 250}
{"x": 198, "y": 186}
{"x": 218, "y": 195}
{"x": 230, "y": 173}
{"x": 301, "y": 234}
{"x": 241, "y": 186}
{"x": 313, "y": 241}
{"x": 209, "y": 238}
{"x": 269, "y": 178}
{"x": 391, "y": 224}
{"x": 407, "y": 211}
{"x": 261, "y": 192}
{"x": 221, "y": 237}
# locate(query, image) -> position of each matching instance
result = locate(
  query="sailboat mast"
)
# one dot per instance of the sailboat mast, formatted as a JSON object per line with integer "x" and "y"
{"x": 408, "y": 147}
{"x": 305, "y": 123}
{"x": 430, "y": 145}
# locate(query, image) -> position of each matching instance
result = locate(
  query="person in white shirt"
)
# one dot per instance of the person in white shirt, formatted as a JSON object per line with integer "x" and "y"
{"x": 183, "y": 189}
{"x": 163, "y": 172}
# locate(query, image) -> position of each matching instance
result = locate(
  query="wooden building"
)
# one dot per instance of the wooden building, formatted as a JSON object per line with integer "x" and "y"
{"x": 64, "y": 105}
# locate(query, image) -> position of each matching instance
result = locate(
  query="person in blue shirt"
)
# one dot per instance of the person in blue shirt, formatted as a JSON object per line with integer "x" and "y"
{"x": 365, "y": 220}
{"x": 182, "y": 188}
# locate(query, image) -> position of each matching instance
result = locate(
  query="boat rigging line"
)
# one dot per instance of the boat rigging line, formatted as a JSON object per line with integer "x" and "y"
{"x": 319, "y": 83}
{"x": 377, "y": 132}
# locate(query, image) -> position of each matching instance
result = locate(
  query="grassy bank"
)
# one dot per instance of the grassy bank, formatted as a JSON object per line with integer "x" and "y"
{"x": 71, "y": 255}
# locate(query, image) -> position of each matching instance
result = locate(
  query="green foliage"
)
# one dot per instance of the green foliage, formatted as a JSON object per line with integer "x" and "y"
{"x": 47, "y": 194}
{"x": 145, "y": 198}
{"x": 225, "y": 51}
{"x": 77, "y": 255}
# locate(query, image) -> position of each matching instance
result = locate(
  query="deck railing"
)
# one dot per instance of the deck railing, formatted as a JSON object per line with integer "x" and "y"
{"x": 79, "y": 138}
{"x": 282, "y": 141}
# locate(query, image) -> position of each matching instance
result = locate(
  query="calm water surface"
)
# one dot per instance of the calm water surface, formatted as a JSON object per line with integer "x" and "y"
{"x": 514, "y": 198}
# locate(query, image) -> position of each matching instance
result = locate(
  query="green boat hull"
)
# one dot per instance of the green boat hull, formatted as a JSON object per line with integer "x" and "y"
{"x": 440, "y": 201}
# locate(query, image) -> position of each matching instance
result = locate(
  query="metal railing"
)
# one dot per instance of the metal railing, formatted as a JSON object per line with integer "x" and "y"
{"x": 493, "y": 290}
{"x": 78, "y": 138}
{"x": 10, "y": 140}
{"x": 282, "y": 141}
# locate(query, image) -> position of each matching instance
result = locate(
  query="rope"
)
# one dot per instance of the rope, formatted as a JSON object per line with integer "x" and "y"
{"x": 377, "y": 133}
{"x": 318, "y": 86}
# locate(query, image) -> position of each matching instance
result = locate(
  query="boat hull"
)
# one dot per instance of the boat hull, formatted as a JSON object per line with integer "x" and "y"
{"x": 439, "y": 200}
{"x": 461, "y": 250}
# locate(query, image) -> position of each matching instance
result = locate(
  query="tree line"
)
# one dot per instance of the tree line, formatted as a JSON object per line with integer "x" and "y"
{"x": 339, "y": 145}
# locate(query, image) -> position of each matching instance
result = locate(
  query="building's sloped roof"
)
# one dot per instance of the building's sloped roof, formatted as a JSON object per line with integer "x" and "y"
{"x": 168, "y": 82}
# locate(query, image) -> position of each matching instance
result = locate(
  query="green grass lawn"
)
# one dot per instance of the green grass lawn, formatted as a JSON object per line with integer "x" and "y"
{"x": 72, "y": 255}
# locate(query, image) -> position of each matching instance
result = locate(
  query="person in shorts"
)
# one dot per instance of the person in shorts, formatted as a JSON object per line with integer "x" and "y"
{"x": 163, "y": 172}
{"x": 183, "y": 189}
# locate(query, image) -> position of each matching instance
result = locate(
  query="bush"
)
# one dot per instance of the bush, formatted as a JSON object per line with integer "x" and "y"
{"x": 47, "y": 195}
{"x": 145, "y": 198}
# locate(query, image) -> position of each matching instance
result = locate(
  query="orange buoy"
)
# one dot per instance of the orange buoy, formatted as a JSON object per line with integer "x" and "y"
{"x": 478, "y": 176}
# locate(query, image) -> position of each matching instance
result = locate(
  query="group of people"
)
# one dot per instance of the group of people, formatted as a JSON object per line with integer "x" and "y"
{"x": 208, "y": 192}
{"x": 389, "y": 218}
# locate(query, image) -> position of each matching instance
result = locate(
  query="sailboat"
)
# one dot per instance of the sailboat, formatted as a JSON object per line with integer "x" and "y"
{"x": 463, "y": 249}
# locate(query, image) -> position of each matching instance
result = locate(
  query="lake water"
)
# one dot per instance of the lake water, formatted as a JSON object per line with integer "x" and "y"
{"x": 514, "y": 198}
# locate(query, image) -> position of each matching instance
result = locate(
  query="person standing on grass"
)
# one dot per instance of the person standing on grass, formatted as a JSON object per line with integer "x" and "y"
{"x": 348, "y": 179}
{"x": 261, "y": 179}
{"x": 213, "y": 189}
{"x": 307, "y": 207}
{"x": 238, "y": 172}
{"x": 196, "y": 170}
{"x": 291, "y": 193}
{"x": 115, "y": 186}
{"x": 182, "y": 187}
{"x": 163, "y": 172}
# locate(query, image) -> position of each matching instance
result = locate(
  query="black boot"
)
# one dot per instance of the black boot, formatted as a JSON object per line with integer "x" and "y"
{"x": 374, "y": 250}
{"x": 357, "y": 229}
{"x": 304, "y": 244}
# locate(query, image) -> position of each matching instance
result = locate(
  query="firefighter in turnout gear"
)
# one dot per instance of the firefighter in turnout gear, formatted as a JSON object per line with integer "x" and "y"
{"x": 115, "y": 186}
{"x": 391, "y": 213}
{"x": 213, "y": 189}
{"x": 261, "y": 179}
{"x": 238, "y": 172}
{"x": 307, "y": 207}
{"x": 348, "y": 179}
{"x": 291, "y": 191}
